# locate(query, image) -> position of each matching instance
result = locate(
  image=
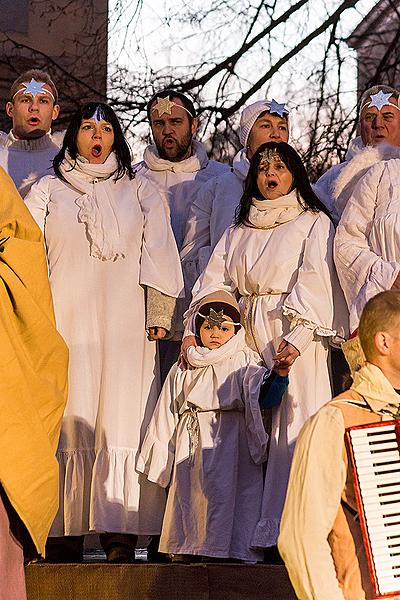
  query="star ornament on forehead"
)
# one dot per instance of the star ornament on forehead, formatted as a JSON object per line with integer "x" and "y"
{"x": 217, "y": 319}
{"x": 33, "y": 88}
{"x": 165, "y": 105}
{"x": 268, "y": 156}
{"x": 277, "y": 108}
{"x": 97, "y": 116}
{"x": 379, "y": 100}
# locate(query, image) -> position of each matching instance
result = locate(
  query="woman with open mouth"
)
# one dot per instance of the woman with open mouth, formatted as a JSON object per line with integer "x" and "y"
{"x": 114, "y": 272}
{"x": 277, "y": 259}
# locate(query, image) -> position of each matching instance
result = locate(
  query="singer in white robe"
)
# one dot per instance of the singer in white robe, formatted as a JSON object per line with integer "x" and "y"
{"x": 278, "y": 262}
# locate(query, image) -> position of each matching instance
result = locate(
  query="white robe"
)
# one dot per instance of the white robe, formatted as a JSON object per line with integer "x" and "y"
{"x": 178, "y": 183}
{"x": 367, "y": 243}
{"x": 214, "y": 500}
{"x": 284, "y": 277}
{"x": 113, "y": 378}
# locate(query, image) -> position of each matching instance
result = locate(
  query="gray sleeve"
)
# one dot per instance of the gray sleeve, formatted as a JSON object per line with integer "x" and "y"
{"x": 160, "y": 310}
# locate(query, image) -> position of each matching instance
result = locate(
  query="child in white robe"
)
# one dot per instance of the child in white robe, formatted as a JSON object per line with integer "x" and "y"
{"x": 206, "y": 439}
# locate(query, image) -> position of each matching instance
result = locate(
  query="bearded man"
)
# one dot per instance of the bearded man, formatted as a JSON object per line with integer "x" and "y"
{"x": 177, "y": 165}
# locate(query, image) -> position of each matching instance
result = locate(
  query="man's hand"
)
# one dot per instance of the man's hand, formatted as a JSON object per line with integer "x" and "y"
{"x": 156, "y": 333}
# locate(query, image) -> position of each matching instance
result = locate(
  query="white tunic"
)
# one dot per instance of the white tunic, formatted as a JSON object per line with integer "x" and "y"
{"x": 178, "y": 182}
{"x": 367, "y": 243}
{"x": 113, "y": 384}
{"x": 283, "y": 277}
{"x": 216, "y": 480}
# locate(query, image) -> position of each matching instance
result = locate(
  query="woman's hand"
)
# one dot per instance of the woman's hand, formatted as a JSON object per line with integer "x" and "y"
{"x": 189, "y": 340}
{"x": 285, "y": 356}
{"x": 156, "y": 333}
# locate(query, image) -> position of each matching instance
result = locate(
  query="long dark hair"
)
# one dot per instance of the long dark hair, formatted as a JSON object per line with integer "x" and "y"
{"x": 305, "y": 194}
{"x": 120, "y": 145}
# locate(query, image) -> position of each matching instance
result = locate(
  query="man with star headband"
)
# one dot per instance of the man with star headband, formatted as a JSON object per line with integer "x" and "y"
{"x": 367, "y": 253}
{"x": 214, "y": 207}
{"x": 26, "y": 153}
{"x": 379, "y": 125}
{"x": 178, "y": 165}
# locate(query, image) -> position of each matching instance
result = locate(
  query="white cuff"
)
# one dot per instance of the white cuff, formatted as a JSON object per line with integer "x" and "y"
{"x": 300, "y": 337}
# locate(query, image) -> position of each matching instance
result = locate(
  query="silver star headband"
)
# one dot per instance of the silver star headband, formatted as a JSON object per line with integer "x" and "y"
{"x": 277, "y": 108}
{"x": 379, "y": 100}
{"x": 217, "y": 318}
{"x": 267, "y": 157}
{"x": 164, "y": 106}
{"x": 33, "y": 88}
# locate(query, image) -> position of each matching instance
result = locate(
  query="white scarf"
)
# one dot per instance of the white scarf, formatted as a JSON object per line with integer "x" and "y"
{"x": 199, "y": 356}
{"x": 198, "y": 160}
{"x": 267, "y": 214}
{"x": 97, "y": 204}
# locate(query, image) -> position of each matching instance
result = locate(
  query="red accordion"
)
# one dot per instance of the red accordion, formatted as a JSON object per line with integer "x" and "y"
{"x": 375, "y": 457}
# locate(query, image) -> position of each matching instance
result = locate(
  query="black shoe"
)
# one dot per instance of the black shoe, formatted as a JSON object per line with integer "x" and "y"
{"x": 119, "y": 547}
{"x": 153, "y": 555}
{"x": 120, "y": 554}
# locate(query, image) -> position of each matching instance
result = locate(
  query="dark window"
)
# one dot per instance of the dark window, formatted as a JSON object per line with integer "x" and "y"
{"x": 14, "y": 16}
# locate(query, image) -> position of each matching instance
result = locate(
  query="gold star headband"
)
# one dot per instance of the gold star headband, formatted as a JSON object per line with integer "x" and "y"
{"x": 34, "y": 87}
{"x": 164, "y": 105}
{"x": 268, "y": 156}
{"x": 217, "y": 318}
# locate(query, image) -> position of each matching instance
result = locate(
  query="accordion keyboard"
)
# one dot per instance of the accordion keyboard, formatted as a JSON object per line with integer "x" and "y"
{"x": 376, "y": 461}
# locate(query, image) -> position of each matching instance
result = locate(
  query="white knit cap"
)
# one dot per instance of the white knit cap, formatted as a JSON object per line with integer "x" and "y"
{"x": 251, "y": 113}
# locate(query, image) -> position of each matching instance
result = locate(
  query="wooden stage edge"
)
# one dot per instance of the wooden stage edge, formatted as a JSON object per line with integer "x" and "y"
{"x": 102, "y": 581}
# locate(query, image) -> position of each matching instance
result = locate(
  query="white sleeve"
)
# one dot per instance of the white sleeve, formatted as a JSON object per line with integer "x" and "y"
{"x": 310, "y": 302}
{"x": 160, "y": 267}
{"x": 317, "y": 478}
{"x": 37, "y": 200}
{"x": 362, "y": 272}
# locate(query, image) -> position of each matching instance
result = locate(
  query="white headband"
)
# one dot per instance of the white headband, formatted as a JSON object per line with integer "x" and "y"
{"x": 34, "y": 87}
{"x": 164, "y": 105}
{"x": 379, "y": 100}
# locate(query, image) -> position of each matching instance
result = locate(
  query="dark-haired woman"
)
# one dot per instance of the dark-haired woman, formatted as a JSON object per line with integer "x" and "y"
{"x": 277, "y": 259}
{"x": 109, "y": 245}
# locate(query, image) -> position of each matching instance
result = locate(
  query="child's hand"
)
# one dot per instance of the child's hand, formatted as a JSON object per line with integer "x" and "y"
{"x": 285, "y": 358}
{"x": 189, "y": 340}
{"x": 281, "y": 371}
